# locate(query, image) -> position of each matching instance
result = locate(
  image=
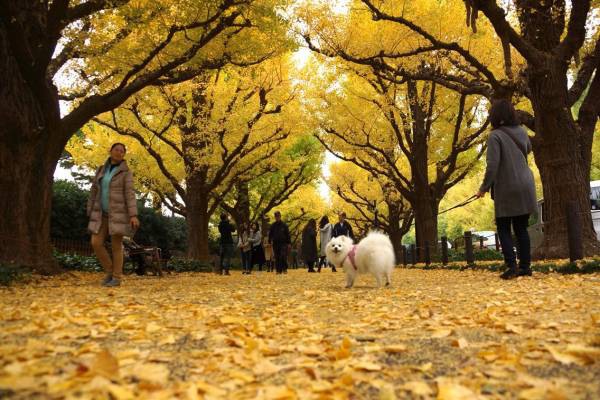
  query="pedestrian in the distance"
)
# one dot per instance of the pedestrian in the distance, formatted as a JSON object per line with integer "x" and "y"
{"x": 226, "y": 244}
{"x": 257, "y": 256}
{"x": 245, "y": 248}
{"x": 112, "y": 209}
{"x": 325, "y": 230}
{"x": 342, "y": 227}
{"x": 279, "y": 237}
{"x": 268, "y": 247}
{"x": 309, "y": 244}
{"x": 512, "y": 186}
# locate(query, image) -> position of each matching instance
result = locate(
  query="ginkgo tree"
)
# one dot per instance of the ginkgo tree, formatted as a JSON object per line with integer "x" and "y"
{"x": 370, "y": 202}
{"x": 206, "y": 137}
{"x": 67, "y": 61}
{"x": 543, "y": 54}
{"x": 262, "y": 190}
{"x": 420, "y": 137}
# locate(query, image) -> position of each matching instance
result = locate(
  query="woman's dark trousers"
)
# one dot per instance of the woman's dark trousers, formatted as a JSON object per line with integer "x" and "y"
{"x": 519, "y": 225}
{"x": 245, "y": 260}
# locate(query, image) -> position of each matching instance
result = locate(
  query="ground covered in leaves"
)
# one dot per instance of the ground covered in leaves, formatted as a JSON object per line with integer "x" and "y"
{"x": 433, "y": 334}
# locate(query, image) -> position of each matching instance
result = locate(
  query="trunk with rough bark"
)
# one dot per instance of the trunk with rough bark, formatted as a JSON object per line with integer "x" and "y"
{"x": 197, "y": 219}
{"x": 240, "y": 212}
{"x": 561, "y": 154}
{"x": 426, "y": 230}
{"x": 25, "y": 202}
{"x": 31, "y": 147}
{"x": 395, "y": 230}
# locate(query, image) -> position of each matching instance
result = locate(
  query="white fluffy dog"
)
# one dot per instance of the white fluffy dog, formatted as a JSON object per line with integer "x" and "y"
{"x": 374, "y": 254}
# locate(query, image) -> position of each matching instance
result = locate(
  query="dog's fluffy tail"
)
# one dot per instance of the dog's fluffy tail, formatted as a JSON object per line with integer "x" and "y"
{"x": 376, "y": 239}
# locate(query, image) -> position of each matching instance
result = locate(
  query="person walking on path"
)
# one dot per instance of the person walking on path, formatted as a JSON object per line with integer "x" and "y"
{"x": 279, "y": 237}
{"x": 226, "y": 244}
{"x": 512, "y": 187}
{"x": 309, "y": 244}
{"x": 342, "y": 228}
{"x": 257, "y": 255}
{"x": 245, "y": 248}
{"x": 112, "y": 209}
{"x": 325, "y": 230}
{"x": 268, "y": 247}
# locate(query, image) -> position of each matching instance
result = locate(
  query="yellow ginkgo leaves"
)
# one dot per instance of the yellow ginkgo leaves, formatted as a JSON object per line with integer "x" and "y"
{"x": 432, "y": 335}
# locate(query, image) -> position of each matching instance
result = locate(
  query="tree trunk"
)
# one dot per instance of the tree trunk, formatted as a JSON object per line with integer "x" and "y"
{"x": 197, "y": 219}
{"x": 240, "y": 212}
{"x": 426, "y": 212}
{"x": 31, "y": 147}
{"x": 395, "y": 229}
{"x": 560, "y": 154}
{"x": 25, "y": 204}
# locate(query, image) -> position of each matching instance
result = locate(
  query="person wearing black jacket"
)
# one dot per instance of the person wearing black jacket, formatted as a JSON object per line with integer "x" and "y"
{"x": 279, "y": 236}
{"x": 226, "y": 244}
{"x": 310, "y": 253}
{"x": 342, "y": 228}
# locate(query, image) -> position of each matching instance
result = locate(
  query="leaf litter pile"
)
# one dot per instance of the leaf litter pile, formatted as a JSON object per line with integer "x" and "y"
{"x": 433, "y": 334}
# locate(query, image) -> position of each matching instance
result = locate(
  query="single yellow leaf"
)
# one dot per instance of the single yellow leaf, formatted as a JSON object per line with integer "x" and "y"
{"x": 461, "y": 343}
{"x": 153, "y": 373}
{"x": 209, "y": 389}
{"x": 395, "y": 348}
{"x": 387, "y": 393}
{"x": 153, "y": 327}
{"x": 346, "y": 343}
{"x": 120, "y": 392}
{"x": 106, "y": 365}
{"x": 418, "y": 388}
{"x": 278, "y": 393}
{"x": 367, "y": 366}
{"x": 514, "y": 329}
{"x": 449, "y": 390}
{"x": 441, "y": 333}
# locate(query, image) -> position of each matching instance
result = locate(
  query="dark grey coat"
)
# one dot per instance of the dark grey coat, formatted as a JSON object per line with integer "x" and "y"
{"x": 508, "y": 173}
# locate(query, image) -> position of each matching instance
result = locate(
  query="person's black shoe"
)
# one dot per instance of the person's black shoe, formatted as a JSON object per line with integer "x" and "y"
{"x": 525, "y": 271}
{"x": 226, "y": 273}
{"x": 333, "y": 269}
{"x": 510, "y": 273}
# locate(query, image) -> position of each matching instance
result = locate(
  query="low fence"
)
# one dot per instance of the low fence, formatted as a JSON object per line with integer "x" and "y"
{"x": 68, "y": 246}
{"x": 428, "y": 253}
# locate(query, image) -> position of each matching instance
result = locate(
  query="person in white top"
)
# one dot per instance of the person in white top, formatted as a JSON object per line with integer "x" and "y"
{"x": 257, "y": 254}
{"x": 326, "y": 229}
{"x": 245, "y": 248}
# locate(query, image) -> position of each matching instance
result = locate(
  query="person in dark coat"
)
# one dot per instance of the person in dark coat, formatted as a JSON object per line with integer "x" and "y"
{"x": 342, "y": 228}
{"x": 279, "y": 237}
{"x": 225, "y": 244}
{"x": 511, "y": 182}
{"x": 309, "y": 245}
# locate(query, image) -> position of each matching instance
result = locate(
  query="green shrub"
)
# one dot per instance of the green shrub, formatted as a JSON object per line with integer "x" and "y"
{"x": 75, "y": 262}
{"x": 185, "y": 265}
{"x": 11, "y": 273}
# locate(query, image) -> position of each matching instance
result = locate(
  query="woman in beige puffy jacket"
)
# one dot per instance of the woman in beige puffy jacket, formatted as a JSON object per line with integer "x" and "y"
{"x": 112, "y": 209}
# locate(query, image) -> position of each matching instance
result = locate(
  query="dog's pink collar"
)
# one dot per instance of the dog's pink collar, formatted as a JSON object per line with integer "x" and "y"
{"x": 351, "y": 255}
